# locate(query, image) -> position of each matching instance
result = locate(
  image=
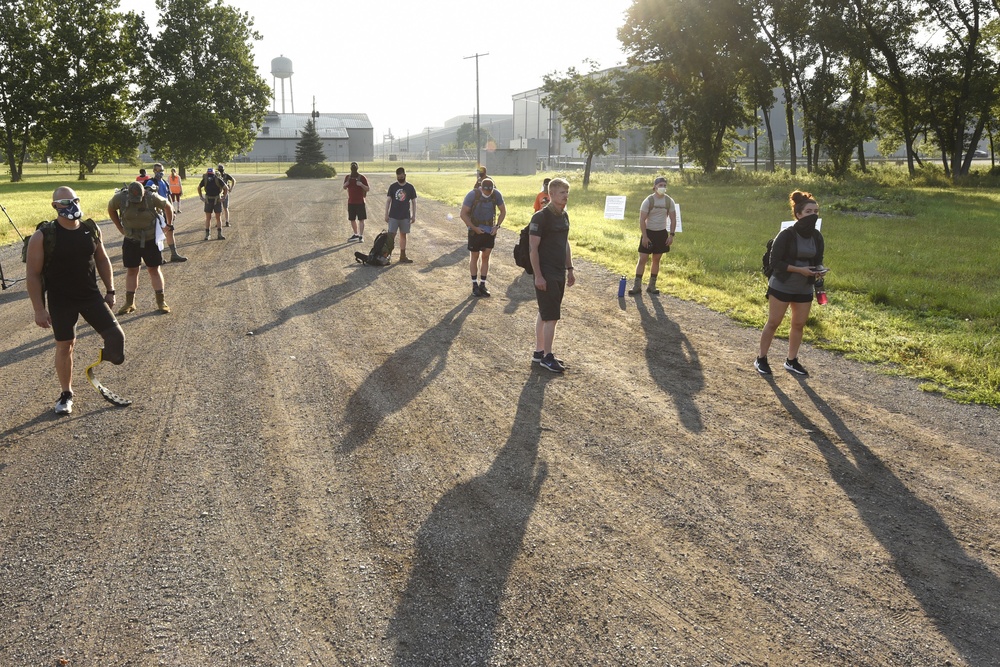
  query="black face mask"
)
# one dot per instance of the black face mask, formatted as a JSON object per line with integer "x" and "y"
{"x": 806, "y": 225}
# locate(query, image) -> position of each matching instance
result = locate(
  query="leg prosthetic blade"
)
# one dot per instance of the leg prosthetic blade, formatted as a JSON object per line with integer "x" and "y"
{"x": 106, "y": 394}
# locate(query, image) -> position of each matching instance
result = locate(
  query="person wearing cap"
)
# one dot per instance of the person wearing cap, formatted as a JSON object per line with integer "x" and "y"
{"x": 161, "y": 187}
{"x": 480, "y": 175}
{"x": 210, "y": 190}
{"x": 401, "y": 211}
{"x": 357, "y": 189}
{"x": 230, "y": 182}
{"x": 68, "y": 287}
{"x": 136, "y": 212}
{"x": 657, "y": 225}
{"x": 479, "y": 213}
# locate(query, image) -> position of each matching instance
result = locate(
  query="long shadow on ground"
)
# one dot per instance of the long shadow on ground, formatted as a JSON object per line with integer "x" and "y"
{"x": 673, "y": 362}
{"x": 465, "y": 551}
{"x": 928, "y": 557}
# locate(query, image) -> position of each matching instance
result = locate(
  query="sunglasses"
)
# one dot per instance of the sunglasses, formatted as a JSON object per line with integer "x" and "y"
{"x": 66, "y": 202}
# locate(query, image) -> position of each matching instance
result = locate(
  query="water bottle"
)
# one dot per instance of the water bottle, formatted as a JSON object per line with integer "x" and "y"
{"x": 621, "y": 287}
{"x": 821, "y": 292}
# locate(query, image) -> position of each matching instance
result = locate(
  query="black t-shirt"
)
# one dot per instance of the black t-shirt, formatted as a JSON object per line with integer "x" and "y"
{"x": 553, "y": 228}
{"x": 71, "y": 273}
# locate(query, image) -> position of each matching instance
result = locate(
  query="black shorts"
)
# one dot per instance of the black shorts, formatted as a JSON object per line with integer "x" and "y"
{"x": 550, "y": 301}
{"x": 785, "y": 297}
{"x": 480, "y": 242}
{"x": 657, "y": 243}
{"x": 64, "y": 317}
{"x": 133, "y": 255}
{"x": 213, "y": 205}
{"x": 357, "y": 212}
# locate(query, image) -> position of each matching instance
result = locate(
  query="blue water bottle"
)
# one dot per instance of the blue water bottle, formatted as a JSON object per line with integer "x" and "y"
{"x": 621, "y": 287}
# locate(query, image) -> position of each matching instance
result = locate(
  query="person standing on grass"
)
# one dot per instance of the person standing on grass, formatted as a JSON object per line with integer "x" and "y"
{"x": 542, "y": 198}
{"x": 66, "y": 282}
{"x": 552, "y": 263}
{"x": 479, "y": 213}
{"x": 796, "y": 254}
{"x": 176, "y": 190}
{"x": 401, "y": 211}
{"x": 657, "y": 213}
{"x": 136, "y": 213}
{"x": 357, "y": 189}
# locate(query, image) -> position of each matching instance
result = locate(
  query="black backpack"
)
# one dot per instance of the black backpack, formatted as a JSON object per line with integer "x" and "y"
{"x": 379, "y": 254}
{"x": 765, "y": 260}
{"x": 522, "y": 256}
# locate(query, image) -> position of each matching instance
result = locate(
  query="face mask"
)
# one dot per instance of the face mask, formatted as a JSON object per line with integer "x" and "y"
{"x": 805, "y": 226}
{"x": 71, "y": 212}
{"x": 661, "y": 190}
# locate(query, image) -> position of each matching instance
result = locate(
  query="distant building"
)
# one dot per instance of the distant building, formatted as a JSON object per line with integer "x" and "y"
{"x": 431, "y": 140}
{"x": 346, "y": 137}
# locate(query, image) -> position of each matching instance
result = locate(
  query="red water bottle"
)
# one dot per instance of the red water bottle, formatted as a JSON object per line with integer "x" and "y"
{"x": 821, "y": 293}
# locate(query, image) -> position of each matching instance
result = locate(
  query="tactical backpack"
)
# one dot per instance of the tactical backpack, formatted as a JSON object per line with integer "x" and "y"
{"x": 48, "y": 229}
{"x": 522, "y": 251}
{"x": 135, "y": 223}
{"x": 379, "y": 254}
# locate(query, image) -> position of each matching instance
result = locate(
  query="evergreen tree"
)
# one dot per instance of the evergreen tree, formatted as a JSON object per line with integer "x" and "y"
{"x": 310, "y": 161}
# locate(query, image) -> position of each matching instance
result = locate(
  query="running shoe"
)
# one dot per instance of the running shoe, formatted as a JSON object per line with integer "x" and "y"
{"x": 793, "y": 365}
{"x": 483, "y": 291}
{"x": 64, "y": 405}
{"x": 551, "y": 363}
{"x": 475, "y": 290}
{"x": 762, "y": 366}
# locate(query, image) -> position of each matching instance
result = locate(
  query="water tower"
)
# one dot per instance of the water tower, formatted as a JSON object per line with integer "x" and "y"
{"x": 281, "y": 68}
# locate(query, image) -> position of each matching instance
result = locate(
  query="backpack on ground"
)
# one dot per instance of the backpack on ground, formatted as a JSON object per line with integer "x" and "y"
{"x": 522, "y": 254}
{"x": 379, "y": 254}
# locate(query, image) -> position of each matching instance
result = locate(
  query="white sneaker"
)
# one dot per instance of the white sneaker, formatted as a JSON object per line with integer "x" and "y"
{"x": 64, "y": 405}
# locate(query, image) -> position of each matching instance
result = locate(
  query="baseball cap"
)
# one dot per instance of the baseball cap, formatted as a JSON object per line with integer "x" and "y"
{"x": 660, "y": 179}
{"x": 487, "y": 183}
{"x": 210, "y": 171}
{"x": 135, "y": 191}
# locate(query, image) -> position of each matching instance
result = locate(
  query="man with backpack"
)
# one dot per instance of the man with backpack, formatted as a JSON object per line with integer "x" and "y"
{"x": 136, "y": 212}
{"x": 479, "y": 213}
{"x": 211, "y": 189}
{"x": 657, "y": 226}
{"x": 162, "y": 188}
{"x": 64, "y": 258}
{"x": 552, "y": 266}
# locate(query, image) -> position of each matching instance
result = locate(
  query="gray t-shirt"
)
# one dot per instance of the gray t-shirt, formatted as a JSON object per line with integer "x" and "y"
{"x": 796, "y": 283}
{"x": 659, "y": 210}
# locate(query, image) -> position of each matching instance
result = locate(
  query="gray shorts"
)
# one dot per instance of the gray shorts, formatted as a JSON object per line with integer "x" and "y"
{"x": 397, "y": 225}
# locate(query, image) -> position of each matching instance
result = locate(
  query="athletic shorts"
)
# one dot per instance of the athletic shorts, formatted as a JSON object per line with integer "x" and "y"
{"x": 133, "y": 255}
{"x": 480, "y": 242}
{"x": 396, "y": 225}
{"x": 175, "y": 196}
{"x": 64, "y": 317}
{"x": 785, "y": 297}
{"x": 213, "y": 205}
{"x": 657, "y": 243}
{"x": 550, "y": 301}
{"x": 357, "y": 212}
{"x": 225, "y": 201}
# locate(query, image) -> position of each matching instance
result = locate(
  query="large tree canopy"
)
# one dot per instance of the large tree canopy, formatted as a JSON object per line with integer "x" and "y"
{"x": 204, "y": 94}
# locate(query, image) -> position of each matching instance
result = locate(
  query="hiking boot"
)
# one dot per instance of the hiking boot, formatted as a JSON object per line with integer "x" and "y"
{"x": 760, "y": 363}
{"x": 126, "y": 309}
{"x": 652, "y": 290}
{"x": 208, "y": 234}
{"x": 178, "y": 258}
{"x": 475, "y": 290}
{"x": 551, "y": 363}
{"x": 64, "y": 405}
{"x": 635, "y": 290}
{"x": 163, "y": 308}
{"x": 483, "y": 291}
{"x": 793, "y": 365}
{"x": 403, "y": 259}
{"x": 220, "y": 236}
{"x": 227, "y": 223}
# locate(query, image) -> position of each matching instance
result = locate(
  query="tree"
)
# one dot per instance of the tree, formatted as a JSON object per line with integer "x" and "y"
{"x": 205, "y": 98}
{"x": 310, "y": 160}
{"x": 591, "y": 109}
{"x": 702, "y": 61}
{"x": 25, "y": 29}
{"x": 93, "y": 103}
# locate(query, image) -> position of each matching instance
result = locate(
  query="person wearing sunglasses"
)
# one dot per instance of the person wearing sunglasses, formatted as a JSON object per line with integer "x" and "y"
{"x": 65, "y": 257}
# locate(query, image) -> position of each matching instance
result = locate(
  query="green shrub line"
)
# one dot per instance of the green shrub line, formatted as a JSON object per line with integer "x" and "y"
{"x": 913, "y": 285}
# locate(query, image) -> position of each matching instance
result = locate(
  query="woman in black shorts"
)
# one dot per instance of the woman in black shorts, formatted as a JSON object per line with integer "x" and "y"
{"x": 796, "y": 260}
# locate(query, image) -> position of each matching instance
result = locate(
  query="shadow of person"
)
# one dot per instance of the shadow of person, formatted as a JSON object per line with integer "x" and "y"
{"x": 520, "y": 290}
{"x": 938, "y": 572}
{"x": 402, "y": 376}
{"x": 673, "y": 362}
{"x": 284, "y": 265}
{"x": 465, "y": 550}
{"x": 449, "y": 259}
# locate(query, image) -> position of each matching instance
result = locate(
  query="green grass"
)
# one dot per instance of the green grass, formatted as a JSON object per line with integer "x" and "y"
{"x": 913, "y": 284}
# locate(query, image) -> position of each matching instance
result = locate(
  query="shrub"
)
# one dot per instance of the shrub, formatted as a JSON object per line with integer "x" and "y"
{"x": 321, "y": 170}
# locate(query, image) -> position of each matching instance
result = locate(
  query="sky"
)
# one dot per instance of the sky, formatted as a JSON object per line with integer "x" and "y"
{"x": 405, "y": 63}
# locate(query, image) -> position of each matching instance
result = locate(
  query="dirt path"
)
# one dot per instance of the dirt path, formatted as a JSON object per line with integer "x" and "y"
{"x": 332, "y": 464}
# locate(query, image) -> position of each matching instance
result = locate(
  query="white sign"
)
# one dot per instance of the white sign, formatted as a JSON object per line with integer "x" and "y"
{"x": 788, "y": 223}
{"x": 614, "y": 207}
{"x": 677, "y": 208}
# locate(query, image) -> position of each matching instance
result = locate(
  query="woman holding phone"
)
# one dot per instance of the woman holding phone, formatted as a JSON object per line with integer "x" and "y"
{"x": 796, "y": 263}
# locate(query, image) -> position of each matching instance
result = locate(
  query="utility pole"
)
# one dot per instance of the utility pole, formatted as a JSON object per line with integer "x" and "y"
{"x": 478, "y": 137}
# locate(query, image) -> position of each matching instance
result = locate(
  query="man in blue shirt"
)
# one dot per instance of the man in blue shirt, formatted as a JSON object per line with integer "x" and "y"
{"x": 162, "y": 188}
{"x": 479, "y": 213}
